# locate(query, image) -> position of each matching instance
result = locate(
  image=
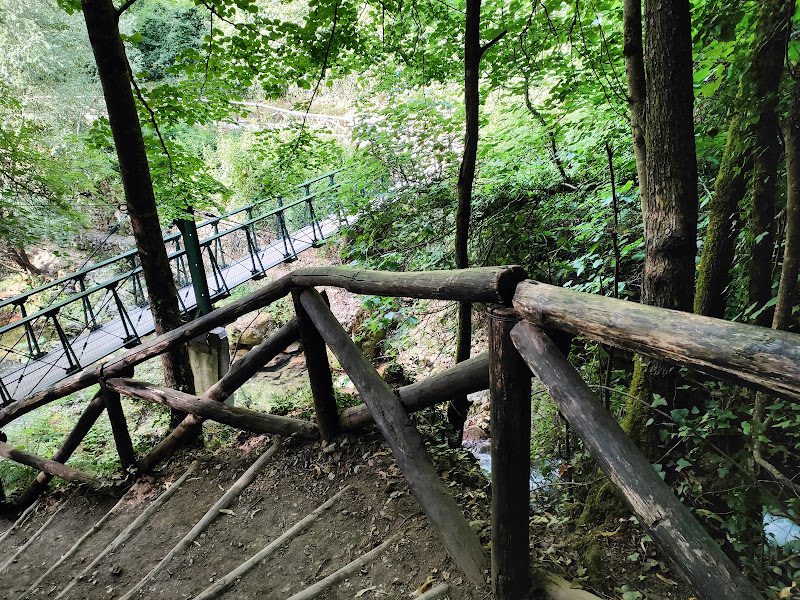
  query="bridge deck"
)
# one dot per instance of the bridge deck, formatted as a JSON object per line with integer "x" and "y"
{"x": 37, "y": 374}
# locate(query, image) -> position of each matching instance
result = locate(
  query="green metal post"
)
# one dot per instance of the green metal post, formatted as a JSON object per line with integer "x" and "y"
{"x": 191, "y": 244}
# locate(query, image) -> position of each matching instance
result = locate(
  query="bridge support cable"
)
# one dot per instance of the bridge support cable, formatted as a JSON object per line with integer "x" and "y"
{"x": 131, "y": 337}
{"x": 88, "y": 312}
{"x": 5, "y": 397}
{"x": 69, "y": 353}
{"x": 221, "y": 289}
{"x": 289, "y": 253}
{"x": 34, "y": 351}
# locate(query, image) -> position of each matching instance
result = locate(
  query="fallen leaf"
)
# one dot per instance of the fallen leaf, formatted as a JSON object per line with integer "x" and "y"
{"x": 666, "y": 580}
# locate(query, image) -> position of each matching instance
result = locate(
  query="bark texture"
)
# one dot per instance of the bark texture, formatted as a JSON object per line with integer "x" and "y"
{"x": 112, "y": 68}
{"x": 670, "y": 207}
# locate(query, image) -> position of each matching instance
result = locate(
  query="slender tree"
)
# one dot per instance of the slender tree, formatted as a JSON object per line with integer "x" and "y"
{"x": 637, "y": 86}
{"x": 751, "y": 126}
{"x": 787, "y": 290}
{"x": 670, "y": 204}
{"x": 112, "y": 65}
{"x": 473, "y": 52}
{"x": 761, "y": 217}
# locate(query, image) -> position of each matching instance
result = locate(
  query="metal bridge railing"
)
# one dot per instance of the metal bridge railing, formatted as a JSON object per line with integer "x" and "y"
{"x": 58, "y": 328}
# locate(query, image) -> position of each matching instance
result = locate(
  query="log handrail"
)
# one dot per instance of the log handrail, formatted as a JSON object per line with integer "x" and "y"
{"x": 242, "y": 418}
{"x": 47, "y": 465}
{"x": 753, "y": 356}
{"x": 691, "y": 551}
{"x": 481, "y": 284}
{"x": 756, "y": 357}
{"x": 404, "y": 439}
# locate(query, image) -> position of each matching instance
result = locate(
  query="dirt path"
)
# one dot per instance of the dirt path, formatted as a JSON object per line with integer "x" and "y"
{"x": 292, "y": 484}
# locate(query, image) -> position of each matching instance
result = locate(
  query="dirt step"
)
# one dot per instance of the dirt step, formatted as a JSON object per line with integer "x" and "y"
{"x": 292, "y": 484}
{"x": 59, "y": 536}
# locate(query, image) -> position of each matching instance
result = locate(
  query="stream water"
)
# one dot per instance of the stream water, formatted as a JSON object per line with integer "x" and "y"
{"x": 779, "y": 531}
{"x": 481, "y": 450}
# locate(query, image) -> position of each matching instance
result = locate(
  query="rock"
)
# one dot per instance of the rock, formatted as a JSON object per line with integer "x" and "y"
{"x": 251, "y": 331}
{"x": 475, "y": 433}
{"x": 297, "y": 362}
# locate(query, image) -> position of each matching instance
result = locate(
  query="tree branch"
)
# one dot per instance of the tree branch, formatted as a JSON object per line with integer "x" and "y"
{"x": 325, "y": 65}
{"x": 214, "y": 11}
{"x": 153, "y": 120}
{"x": 125, "y": 6}
{"x": 493, "y": 41}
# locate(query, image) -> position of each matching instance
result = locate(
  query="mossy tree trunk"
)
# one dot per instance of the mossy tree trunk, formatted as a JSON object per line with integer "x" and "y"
{"x": 670, "y": 216}
{"x": 752, "y": 126}
{"x": 670, "y": 213}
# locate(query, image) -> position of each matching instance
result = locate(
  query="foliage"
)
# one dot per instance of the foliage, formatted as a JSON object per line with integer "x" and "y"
{"x": 34, "y": 186}
{"x": 164, "y": 30}
{"x": 271, "y": 162}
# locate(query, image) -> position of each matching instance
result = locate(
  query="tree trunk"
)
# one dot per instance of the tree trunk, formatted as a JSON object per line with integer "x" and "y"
{"x": 112, "y": 66}
{"x": 761, "y": 219}
{"x": 787, "y": 291}
{"x": 670, "y": 208}
{"x": 755, "y": 100}
{"x": 671, "y": 223}
{"x": 637, "y": 86}
{"x": 458, "y": 407}
{"x": 19, "y": 256}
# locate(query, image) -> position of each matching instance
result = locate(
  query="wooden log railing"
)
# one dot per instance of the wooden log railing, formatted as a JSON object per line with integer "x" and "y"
{"x": 691, "y": 550}
{"x": 756, "y": 357}
{"x": 520, "y": 343}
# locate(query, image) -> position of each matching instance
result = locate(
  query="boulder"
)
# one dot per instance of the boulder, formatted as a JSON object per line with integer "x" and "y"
{"x": 249, "y": 331}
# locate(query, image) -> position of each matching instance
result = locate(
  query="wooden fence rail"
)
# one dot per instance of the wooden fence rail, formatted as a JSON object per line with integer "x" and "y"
{"x": 519, "y": 346}
{"x": 756, "y": 357}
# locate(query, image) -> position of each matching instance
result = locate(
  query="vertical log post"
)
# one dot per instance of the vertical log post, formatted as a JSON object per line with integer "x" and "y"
{"x": 119, "y": 428}
{"x": 319, "y": 371}
{"x": 510, "y": 419}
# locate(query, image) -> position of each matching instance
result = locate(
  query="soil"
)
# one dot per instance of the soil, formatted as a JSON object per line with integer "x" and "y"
{"x": 294, "y": 482}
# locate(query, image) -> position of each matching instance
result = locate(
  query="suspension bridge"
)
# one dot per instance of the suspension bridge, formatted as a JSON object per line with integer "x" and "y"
{"x": 59, "y": 328}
